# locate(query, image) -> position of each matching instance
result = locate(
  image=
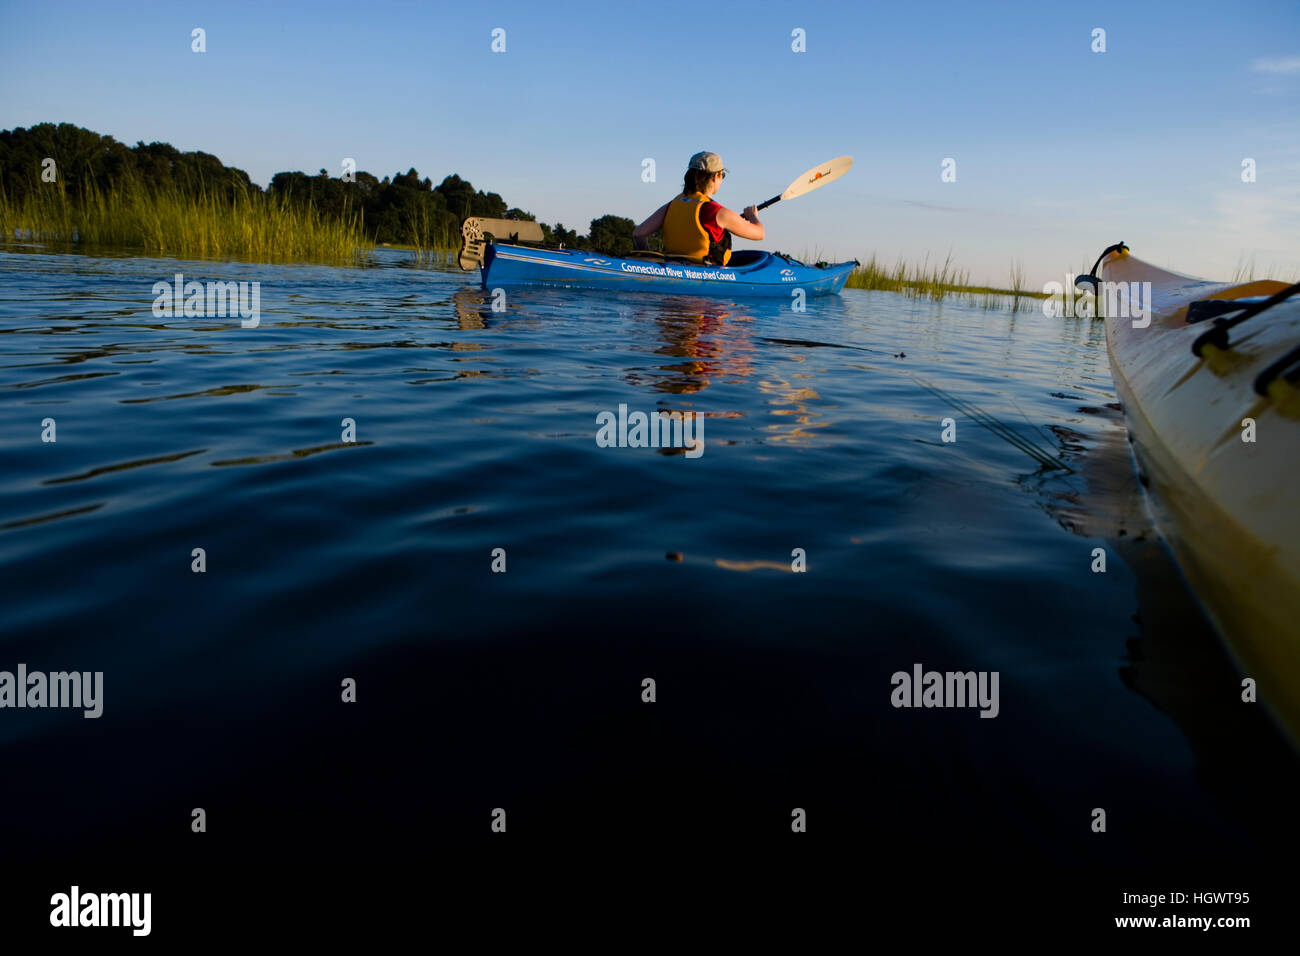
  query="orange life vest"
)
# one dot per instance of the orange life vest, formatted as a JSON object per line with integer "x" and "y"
{"x": 685, "y": 236}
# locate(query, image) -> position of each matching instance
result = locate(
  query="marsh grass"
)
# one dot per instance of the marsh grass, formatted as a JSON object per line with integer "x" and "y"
{"x": 1043, "y": 453}
{"x": 942, "y": 281}
{"x": 424, "y": 237}
{"x": 1247, "y": 272}
{"x": 200, "y": 225}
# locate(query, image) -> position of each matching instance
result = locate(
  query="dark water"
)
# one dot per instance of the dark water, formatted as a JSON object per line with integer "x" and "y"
{"x": 475, "y": 430}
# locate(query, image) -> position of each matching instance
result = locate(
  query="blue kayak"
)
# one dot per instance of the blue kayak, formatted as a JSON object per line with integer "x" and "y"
{"x": 750, "y": 272}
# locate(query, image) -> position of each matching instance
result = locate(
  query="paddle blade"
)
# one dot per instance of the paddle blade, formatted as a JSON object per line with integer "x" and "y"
{"x": 819, "y": 176}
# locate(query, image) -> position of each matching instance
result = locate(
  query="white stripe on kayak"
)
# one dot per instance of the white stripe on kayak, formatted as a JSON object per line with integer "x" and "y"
{"x": 609, "y": 271}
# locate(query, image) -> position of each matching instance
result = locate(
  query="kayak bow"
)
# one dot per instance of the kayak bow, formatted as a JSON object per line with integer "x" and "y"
{"x": 1208, "y": 380}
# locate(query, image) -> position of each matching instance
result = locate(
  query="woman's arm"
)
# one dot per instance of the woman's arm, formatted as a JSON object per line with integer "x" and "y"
{"x": 746, "y": 227}
{"x": 643, "y": 232}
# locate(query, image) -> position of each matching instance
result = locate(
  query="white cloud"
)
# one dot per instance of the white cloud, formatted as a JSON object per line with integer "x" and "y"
{"x": 1277, "y": 64}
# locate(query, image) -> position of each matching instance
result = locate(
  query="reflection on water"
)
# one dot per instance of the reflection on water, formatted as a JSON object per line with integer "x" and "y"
{"x": 1173, "y": 658}
{"x": 714, "y": 342}
{"x": 478, "y": 429}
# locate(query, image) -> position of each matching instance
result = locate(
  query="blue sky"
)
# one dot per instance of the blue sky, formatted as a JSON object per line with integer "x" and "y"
{"x": 1059, "y": 151}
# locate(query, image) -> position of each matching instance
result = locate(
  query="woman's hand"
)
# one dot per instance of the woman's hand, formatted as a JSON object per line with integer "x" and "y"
{"x": 746, "y": 226}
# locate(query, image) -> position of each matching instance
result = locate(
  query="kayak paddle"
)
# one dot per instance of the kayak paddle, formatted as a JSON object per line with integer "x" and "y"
{"x": 815, "y": 178}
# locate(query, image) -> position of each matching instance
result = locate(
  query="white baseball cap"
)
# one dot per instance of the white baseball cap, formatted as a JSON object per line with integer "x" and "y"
{"x": 709, "y": 162}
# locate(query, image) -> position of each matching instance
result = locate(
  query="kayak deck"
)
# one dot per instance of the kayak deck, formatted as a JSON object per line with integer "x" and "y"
{"x": 751, "y": 272}
{"x": 1229, "y": 508}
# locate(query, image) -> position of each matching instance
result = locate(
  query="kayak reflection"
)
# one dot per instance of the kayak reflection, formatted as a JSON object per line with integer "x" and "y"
{"x": 473, "y": 309}
{"x": 705, "y": 343}
{"x": 714, "y": 344}
{"x": 1175, "y": 660}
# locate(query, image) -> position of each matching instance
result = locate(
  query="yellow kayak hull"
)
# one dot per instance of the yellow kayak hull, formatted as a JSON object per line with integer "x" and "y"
{"x": 1229, "y": 508}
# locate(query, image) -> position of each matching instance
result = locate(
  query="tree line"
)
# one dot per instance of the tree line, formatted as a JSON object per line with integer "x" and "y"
{"x": 402, "y": 209}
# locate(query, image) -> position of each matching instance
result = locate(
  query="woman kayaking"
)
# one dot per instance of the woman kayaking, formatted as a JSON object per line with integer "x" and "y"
{"x": 693, "y": 224}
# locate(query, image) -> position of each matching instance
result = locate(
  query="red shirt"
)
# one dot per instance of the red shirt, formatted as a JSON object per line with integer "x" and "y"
{"x": 709, "y": 219}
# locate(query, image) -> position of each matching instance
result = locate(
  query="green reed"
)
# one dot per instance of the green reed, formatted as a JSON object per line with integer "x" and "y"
{"x": 205, "y": 224}
{"x": 941, "y": 281}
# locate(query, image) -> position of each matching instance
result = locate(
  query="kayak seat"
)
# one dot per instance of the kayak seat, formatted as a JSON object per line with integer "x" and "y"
{"x": 476, "y": 231}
